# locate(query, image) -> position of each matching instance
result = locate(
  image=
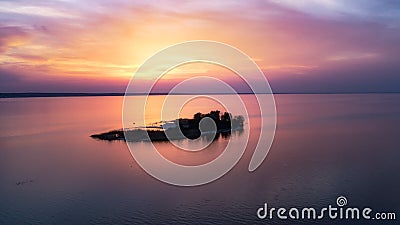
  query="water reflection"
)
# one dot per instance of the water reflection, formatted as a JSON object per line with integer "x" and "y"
{"x": 325, "y": 146}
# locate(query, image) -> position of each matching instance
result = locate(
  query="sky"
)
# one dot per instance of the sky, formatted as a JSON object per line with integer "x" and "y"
{"x": 301, "y": 46}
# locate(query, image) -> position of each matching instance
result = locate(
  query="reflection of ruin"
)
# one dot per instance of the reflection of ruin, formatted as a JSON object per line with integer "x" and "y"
{"x": 181, "y": 128}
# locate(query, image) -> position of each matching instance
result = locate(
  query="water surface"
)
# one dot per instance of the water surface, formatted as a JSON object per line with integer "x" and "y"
{"x": 52, "y": 172}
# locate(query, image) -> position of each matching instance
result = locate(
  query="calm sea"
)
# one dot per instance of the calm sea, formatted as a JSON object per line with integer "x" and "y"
{"x": 52, "y": 172}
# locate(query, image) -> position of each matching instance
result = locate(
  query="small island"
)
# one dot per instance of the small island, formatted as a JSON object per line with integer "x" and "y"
{"x": 178, "y": 129}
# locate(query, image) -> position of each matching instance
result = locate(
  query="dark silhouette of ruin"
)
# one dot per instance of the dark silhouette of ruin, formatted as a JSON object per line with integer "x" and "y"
{"x": 181, "y": 128}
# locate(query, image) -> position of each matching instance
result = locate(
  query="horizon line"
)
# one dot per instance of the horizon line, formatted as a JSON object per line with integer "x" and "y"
{"x": 105, "y": 94}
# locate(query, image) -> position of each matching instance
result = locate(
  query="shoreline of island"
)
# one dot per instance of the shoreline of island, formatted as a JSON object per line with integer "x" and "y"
{"x": 179, "y": 129}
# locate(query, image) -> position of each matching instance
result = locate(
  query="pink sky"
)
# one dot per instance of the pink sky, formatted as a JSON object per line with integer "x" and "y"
{"x": 302, "y": 46}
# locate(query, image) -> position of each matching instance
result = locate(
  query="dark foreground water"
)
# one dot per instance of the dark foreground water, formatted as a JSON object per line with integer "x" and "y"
{"x": 52, "y": 172}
